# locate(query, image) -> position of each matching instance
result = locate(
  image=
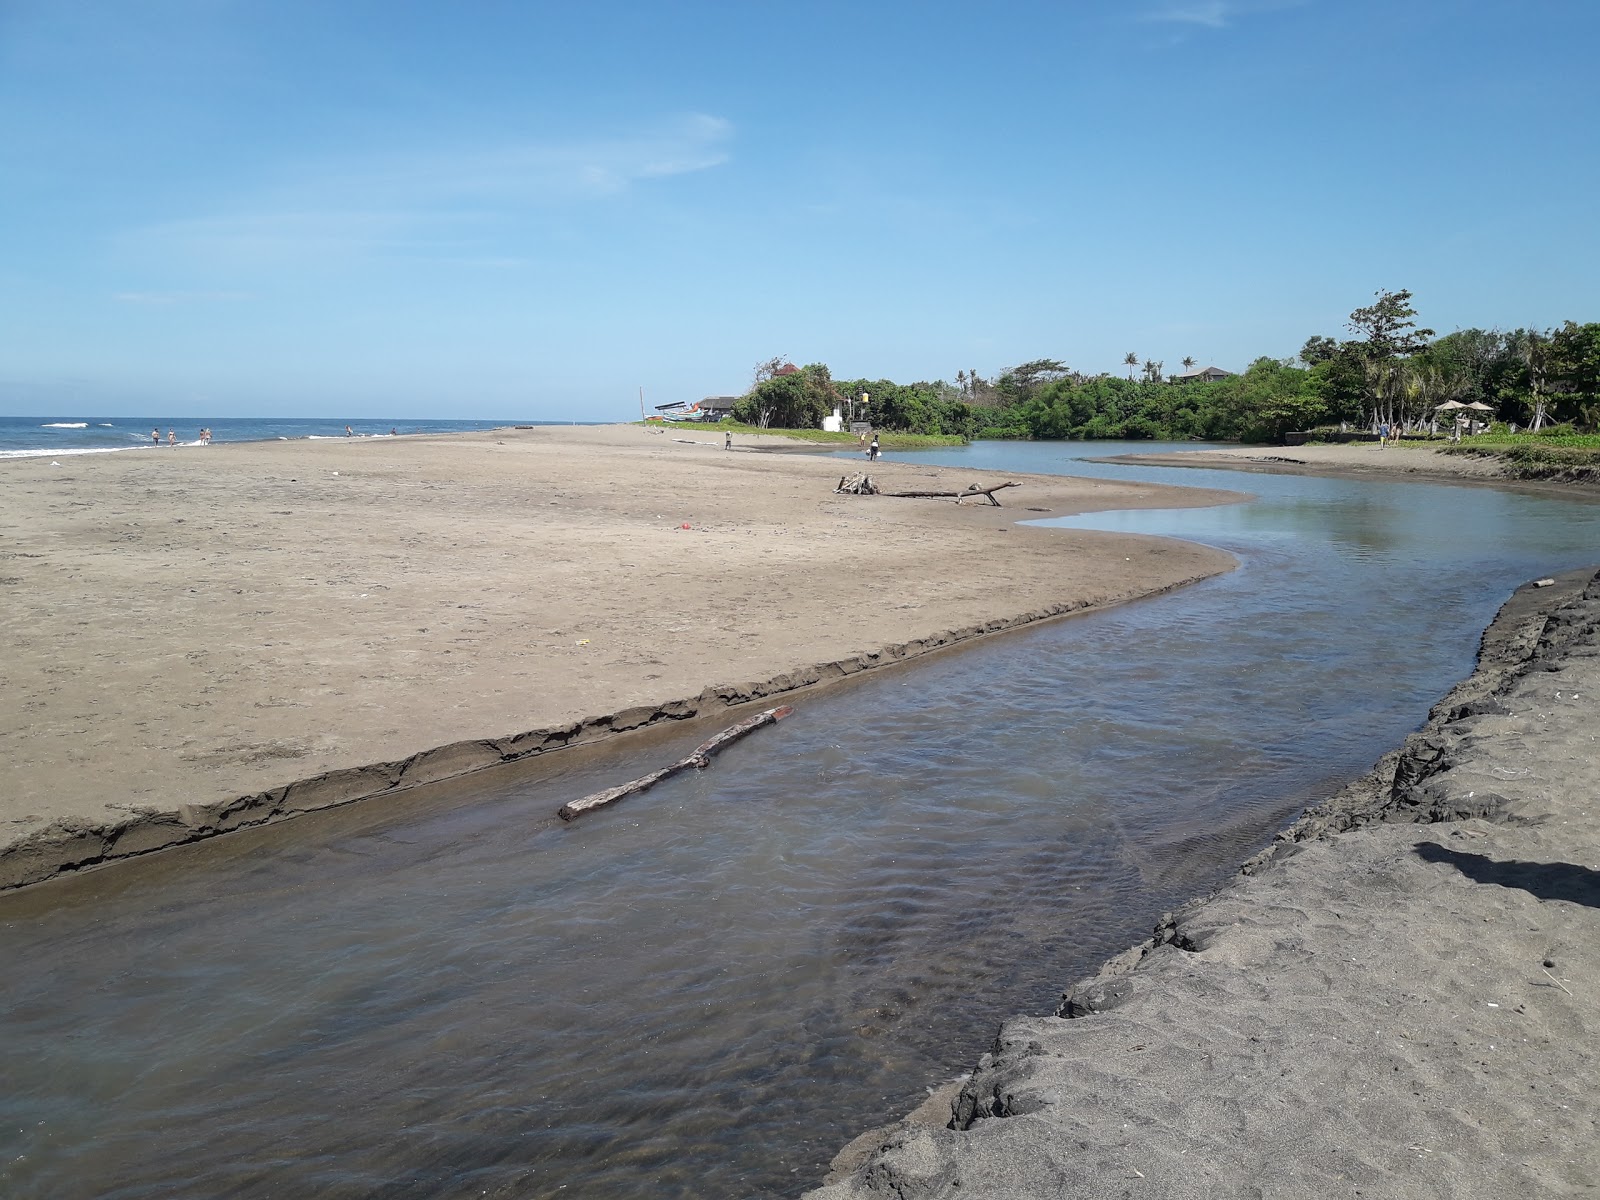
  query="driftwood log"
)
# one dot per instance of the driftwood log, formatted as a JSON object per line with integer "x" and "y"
{"x": 862, "y": 485}
{"x": 699, "y": 760}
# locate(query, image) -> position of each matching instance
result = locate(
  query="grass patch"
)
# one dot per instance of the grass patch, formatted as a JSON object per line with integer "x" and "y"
{"x": 1536, "y": 457}
{"x": 1566, "y": 440}
{"x": 889, "y": 441}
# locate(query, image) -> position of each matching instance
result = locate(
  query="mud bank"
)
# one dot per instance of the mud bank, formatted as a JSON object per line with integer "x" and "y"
{"x": 75, "y": 844}
{"x": 1399, "y": 997}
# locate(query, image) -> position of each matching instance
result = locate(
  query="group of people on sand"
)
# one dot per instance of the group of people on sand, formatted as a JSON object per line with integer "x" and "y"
{"x": 202, "y": 439}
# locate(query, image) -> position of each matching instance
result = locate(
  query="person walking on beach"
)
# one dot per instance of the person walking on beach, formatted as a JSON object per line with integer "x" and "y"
{"x": 348, "y": 432}
{"x": 874, "y": 451}
{"x": 1383, "y": 434}
{"x": 727, "y": 439}
{"x": 155, "y": 437}
{"x": 172, "y": 437}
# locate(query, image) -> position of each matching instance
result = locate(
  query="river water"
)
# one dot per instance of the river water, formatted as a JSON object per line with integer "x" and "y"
{"x": 709, "y": 989}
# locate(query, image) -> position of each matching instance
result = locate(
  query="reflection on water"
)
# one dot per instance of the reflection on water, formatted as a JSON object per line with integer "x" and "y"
{"x": 707, "y": 990}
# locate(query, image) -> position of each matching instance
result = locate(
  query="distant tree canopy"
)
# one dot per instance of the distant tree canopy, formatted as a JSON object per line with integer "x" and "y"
{"x": 795, "y": 400}
{"x": 1390, "y": 371}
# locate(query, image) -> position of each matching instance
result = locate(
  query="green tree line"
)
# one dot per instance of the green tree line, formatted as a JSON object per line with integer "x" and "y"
{"x": 1387, "y": 371}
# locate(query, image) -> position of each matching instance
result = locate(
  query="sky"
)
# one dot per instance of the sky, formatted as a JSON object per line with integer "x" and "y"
{"x": 509, "y": 209}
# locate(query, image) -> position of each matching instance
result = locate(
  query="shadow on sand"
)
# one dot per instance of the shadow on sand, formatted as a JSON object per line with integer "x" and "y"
{"x": 1547, "y": 881}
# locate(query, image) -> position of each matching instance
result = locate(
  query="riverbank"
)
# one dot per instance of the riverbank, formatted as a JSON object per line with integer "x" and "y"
{"x": 1355, "y": 460}
{"x": 222, "y": 636}
{"x": 1397, "y": 998}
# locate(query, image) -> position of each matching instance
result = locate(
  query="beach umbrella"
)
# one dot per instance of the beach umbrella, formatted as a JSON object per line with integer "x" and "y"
{"x": 1448, "y": 404}
{"x": 1479, "y": 405}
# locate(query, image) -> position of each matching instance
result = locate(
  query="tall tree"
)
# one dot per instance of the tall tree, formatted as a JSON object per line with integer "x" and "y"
{"x": 1188, "y": 362}
{"x": 768, "y": 369}
{"x": 1318, "y": 349}
{"x": 1130, "y": 360}
{"x": 1533, "y": 348}
{"x": 1387, "y": 333}
{"x": 1387, "y": 328}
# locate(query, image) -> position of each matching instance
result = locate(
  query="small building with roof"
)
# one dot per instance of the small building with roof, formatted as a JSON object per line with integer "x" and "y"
{"x": 1203, "y": 375}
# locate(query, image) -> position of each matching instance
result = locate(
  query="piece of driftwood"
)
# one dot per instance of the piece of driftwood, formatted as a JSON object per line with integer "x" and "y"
{"x": 699, "y": 760}
{"x": 856, "y": 485}
{"x": 862, "y": 485}
{"x": 986, "y": 492}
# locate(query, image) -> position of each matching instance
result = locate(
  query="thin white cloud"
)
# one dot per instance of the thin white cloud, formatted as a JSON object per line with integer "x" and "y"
{"x": 1212, "y": 14}
{"x": 432, "y": 202}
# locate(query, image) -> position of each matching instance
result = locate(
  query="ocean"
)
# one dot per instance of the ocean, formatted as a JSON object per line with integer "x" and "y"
{"x": 39, "y": 437}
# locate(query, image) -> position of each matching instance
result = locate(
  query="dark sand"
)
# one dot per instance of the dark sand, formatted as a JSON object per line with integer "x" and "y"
{"x": 1399, "y": 998}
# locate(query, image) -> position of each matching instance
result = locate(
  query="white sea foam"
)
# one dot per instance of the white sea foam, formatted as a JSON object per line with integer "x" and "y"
{"x": 62, "y": 451}
{"x": 65, "y": 425}
{"x": 105, "y": 424}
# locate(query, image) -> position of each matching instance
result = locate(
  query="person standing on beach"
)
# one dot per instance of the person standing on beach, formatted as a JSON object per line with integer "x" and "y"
{"x": 172, "y": 437}
{"x": 727, "y": 439}
{"x": 1383, "y": 434}
{"x": 348, "y": 432}
{"x": 155, "y": 437}
{"x": 874, "y": 451}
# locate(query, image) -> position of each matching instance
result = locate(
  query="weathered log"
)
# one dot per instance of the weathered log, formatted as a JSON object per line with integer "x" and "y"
{"x": 986, "y": 493}
{"x": 856, "y": 485}
{"x": 958, "y": 497}
{"x": 699, "y": 760}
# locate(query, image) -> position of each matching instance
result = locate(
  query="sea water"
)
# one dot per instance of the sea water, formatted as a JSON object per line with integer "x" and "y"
{"x": 53, "y": 436}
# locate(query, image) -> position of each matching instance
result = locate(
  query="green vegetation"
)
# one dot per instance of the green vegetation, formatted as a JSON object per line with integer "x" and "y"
{"x": 1389, "y": 372}
{"x": 1535, "y": 458}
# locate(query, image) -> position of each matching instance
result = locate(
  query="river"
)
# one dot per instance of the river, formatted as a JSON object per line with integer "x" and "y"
{"x": 709, "y": 989}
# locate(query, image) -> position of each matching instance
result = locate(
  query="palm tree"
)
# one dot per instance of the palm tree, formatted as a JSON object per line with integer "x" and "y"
{"x": 1188, "y": 363}
{"x": 1130, "y": 360}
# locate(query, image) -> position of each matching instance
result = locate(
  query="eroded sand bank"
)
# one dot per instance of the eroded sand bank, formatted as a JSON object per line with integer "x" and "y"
{"x": 1398, "y": 998}
{"x": 202, "y": 638}
{"x": 1354, "y": 460}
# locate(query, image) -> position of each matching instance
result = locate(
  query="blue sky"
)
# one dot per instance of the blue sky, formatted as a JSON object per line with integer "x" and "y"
{"x": 513, "y": 209}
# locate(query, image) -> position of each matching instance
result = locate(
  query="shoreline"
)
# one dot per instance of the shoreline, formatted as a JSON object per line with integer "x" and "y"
{"x": 1384, "y": 988}
{"x": 1359, "y": 461}
{"x": 69, "y": 846}
{"x": 336, "y": 605}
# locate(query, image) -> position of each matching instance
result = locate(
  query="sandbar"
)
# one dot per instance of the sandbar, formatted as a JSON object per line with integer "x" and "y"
{"x": 204, "y": 638}
{"x": 1351, "y": 460}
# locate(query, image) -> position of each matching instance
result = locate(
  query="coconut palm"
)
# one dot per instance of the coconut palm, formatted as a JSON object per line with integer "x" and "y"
{"x": 1188, "y": 363}
{"x": 1130, "y": 360}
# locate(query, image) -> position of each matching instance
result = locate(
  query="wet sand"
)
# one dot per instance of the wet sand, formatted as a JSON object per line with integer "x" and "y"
{"x": 1398, "y": 998}
{"x": 204, "y": 638}
{"x": 1353, "y": 460}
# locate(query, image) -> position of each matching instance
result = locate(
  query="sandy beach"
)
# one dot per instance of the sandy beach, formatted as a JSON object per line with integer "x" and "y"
{"x": 1356, "y": 459}
{"x": 205, "y": 638}
{"x": 1397, "y": 998}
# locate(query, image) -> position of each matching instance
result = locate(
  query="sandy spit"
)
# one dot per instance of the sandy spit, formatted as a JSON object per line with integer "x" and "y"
{"x": 1353, "y": 460}
{"x": 204, "y": 638}
{"x": 1399, "y": 998}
